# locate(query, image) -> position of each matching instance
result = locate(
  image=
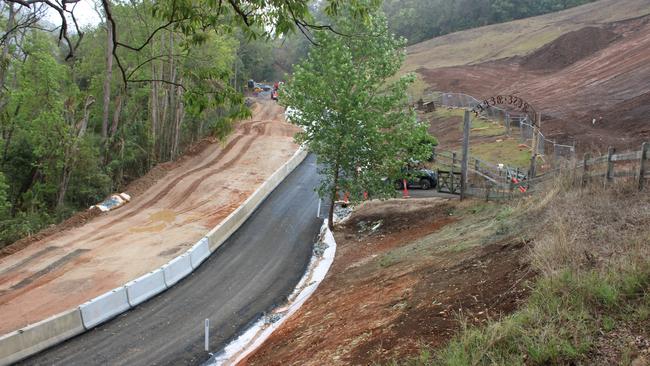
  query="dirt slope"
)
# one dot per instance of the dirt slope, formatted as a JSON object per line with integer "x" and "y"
{"x": 66, "y": 269}
{"x": 517, "y": 38}
{"x": 587, "y": 74}
{"x": 568, "y": 49}
{"x": 400, "y": 287}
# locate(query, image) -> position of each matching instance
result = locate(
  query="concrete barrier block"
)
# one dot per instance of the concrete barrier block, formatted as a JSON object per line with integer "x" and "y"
{"x": 176, "y": 269}
{"x": 104, "y": 307}
{"x": 34, "y": 338}
{"x": 199, "y": 252}
{"x": 145, "y": 287}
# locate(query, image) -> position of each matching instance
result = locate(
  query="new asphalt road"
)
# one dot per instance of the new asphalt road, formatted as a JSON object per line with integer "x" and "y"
{"x": 249, "y": 274}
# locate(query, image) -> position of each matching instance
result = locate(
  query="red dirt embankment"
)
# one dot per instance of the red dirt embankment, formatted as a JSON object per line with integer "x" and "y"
{"x": 389, "y": 293}
{"x": 586, "y": 74}
{"x": 171, "y": 209}
{"x": 568, "y": 49}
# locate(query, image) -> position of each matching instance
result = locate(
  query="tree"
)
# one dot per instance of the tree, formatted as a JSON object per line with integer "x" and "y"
{"x": 353, "y": 111}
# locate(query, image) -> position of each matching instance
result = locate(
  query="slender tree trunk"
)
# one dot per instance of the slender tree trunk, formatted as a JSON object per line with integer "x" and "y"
{"x": 178, "y": 119}
{"x": 154, "y": 110}
{"x": 9, "y": 135}
{"x": 116, "y": 116}
{"x": 334, "y": 193}
{"x": 107, "y": 80}
{"x": 171, "y": 126}
{"x": 71, "y": 152}
{"x": 5, "y": 49}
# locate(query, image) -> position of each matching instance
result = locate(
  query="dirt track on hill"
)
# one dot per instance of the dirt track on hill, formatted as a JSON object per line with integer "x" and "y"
{"x": 610, "y": 80}
{"x": 71, "y": 267}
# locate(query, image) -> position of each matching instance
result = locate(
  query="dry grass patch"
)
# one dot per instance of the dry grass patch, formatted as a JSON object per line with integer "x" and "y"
{"x": 591, "y": 302}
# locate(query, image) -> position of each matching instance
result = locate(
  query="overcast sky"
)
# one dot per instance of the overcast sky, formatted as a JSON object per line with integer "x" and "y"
{"x": 84, "y": 12}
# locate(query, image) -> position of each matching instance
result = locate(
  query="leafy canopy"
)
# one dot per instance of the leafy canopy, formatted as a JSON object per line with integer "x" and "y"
{"x": 353, "y": 110}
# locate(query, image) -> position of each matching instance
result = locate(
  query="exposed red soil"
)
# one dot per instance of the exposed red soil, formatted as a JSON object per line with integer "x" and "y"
{"x": 609, "y": 77}
{"x": 569, "y": 48}
{"x": 369, "y": 311}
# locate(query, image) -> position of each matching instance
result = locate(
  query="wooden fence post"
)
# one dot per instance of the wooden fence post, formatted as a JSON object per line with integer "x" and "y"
{"x": 585, "y": 167}
{"x": 465, "y": 161}
{"x": 433, "y": 154}
{"x": 610, "y": 165}
{"x": 644, "y": 157}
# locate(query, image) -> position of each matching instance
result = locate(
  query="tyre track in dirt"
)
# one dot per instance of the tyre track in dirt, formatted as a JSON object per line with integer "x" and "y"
{"x": 29, "y": 259}
{"x": 173, "y": 184}
{"x": 226, "y": 165}
{"x": 27, "y": 283}
{"x": 246, "y": 126}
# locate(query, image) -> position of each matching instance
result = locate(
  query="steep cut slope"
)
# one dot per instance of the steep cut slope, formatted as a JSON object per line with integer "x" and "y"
{"x": 590, "y": 73}
{"x": 569, "y": 48}
{"x": 517, "y": 38}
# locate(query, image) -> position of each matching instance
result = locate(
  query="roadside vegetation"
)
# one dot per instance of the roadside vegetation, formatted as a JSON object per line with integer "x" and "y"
{"x": 590, "y": 302}
{"x": 353, "y": 113}
{"x": 84, "y": 111}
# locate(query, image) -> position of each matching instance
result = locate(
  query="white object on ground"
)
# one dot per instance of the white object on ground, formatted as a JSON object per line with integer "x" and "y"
{"x": 113, "y": 202}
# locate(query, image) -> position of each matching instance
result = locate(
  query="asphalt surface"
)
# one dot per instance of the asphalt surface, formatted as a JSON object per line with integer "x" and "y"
{"x": 255, "y": 270}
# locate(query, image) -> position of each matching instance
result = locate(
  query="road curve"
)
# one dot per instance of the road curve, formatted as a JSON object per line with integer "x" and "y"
{"x": 251, "y": 273}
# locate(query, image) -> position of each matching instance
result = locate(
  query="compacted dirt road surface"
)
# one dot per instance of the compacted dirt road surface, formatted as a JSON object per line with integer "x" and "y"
{"x": 69, "y": 268}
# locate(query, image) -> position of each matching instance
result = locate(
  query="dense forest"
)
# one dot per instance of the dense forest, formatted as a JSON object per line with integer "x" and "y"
{"x": 83, "y": 113}
{"x": 419, "y": 20}
{"x": 80, "y": 119}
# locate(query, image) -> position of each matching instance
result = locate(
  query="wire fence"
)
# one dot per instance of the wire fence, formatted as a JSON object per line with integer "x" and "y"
{"x": 557, "y": 152}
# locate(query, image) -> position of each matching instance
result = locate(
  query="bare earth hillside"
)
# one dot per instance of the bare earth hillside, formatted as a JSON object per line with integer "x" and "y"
{"x": 594, "y": 64}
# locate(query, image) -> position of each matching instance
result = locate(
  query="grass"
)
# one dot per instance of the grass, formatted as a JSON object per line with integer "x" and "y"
{"x": 593, "y": 260}
{"x": 488, "y": 140}
{"x": 506, "y": 151}
{"x": 480, "y": 127}
{"x": 449, "y": 113}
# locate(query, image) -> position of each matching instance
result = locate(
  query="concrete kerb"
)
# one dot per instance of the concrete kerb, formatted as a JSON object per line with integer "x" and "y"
{"x": 221, "y": 232}
{"x": 36, "y": 337}
{"x": 199, "y": 252}
{"x": 145, "y": 287}
{"x": 176, "y": 269}
{"x": 104, "y": 307}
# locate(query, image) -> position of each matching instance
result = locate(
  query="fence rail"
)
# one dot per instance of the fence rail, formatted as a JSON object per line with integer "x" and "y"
{"x": 502, "y": 182}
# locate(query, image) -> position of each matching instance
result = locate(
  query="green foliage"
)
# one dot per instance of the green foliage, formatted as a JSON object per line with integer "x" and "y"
{"x": 419, "y": 20}
{"x": 353, "y": 117}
